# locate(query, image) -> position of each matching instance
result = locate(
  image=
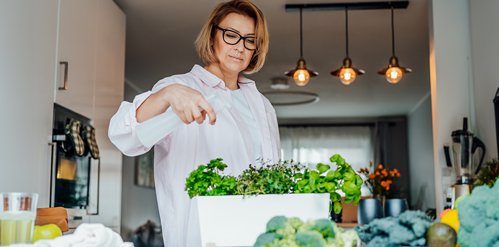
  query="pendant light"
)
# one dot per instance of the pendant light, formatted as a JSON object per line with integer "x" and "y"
{"x": 301, "y": 74}
{"x": 347, "y": 73}
{"x": 394, "y": 72}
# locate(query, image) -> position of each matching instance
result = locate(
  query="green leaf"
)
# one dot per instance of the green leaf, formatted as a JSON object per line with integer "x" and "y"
{"x": 348, "y": 199}
{"x": 356, "y": 199}
{"x": 334, "y": 158}
{"x": 330, "y": 187}
{"x": 322, "y": 168}
{"x": 349, "y": 176}
{"x": 337, "y": 207}
{"x": 330, "y": 176}
{"x": 335, "y": 197}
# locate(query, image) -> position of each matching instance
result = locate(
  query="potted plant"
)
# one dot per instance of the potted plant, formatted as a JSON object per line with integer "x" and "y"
{"x": 228, "y": 202}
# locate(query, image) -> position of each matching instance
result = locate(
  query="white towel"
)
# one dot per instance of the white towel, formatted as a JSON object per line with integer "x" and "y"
{"x": 86, "y": 235}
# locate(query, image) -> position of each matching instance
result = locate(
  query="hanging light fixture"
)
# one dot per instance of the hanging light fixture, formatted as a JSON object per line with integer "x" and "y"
{"x": 301, "y": 74}
{"x": 347, "y": 73}
{"x": 394, "y": 72}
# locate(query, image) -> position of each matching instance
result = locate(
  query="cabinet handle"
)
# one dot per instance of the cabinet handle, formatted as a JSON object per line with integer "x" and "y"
{"x": 66, "y": 66}
{"x": 78, "y": 218}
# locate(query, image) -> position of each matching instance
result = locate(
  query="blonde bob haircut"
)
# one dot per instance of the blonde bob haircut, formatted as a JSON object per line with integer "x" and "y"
{"x": 204, "y": 41}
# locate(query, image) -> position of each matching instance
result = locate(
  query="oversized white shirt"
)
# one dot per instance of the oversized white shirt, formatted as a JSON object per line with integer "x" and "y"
{"x": 189, "y": 146}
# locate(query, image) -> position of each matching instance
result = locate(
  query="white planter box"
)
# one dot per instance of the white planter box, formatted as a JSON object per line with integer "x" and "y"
{"x": 234, "y": 221}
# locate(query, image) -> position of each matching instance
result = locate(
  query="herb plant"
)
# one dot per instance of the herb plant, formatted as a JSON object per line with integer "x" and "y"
{"x": 268, "y": 179}
{"x": 285, "y": 178}
{"x": 325, "y": 180}
{"x": 209, "y": 181}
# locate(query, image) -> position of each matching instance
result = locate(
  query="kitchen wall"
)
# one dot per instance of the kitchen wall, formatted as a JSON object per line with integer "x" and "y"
{"x": 485, "y": 53}
{"x": 138, "y": 203}
{"x": 451, "y": 80}
{"x": 421, "y": 154}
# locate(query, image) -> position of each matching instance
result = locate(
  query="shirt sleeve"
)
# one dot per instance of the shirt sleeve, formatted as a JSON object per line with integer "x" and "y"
{"x": 122, "y": 126}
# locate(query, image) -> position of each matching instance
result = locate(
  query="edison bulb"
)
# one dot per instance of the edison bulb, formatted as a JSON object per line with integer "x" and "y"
{"x": 347, "y": 76}
{"x": 393, "y": 74}
{"x": 301, "y": 77}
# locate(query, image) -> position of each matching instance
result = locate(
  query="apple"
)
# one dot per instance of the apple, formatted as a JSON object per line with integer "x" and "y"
{"x": 49, "y": 231}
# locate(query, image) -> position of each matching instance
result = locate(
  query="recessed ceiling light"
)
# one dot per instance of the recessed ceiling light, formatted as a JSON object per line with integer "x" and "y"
{"x": 279, "y": 83}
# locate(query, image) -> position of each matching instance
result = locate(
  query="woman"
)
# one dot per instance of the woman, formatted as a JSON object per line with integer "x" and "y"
{"x": 234, "y": 39}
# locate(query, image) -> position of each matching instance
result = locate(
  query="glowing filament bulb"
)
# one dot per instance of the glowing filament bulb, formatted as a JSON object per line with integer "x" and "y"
{"x": 393, "y": 74}
{"x": 347, "y": 76}
{"x": 301, "y": 77}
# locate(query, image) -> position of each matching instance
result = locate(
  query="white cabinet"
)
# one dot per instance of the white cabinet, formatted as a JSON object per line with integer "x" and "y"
{"x": 109, "y": 89}
{"x": 27, "y": 74}
{"x": 76, "y": 46}
{"x": 36, "y": 37}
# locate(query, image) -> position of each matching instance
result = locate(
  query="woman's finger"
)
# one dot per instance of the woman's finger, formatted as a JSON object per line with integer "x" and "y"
{"x": 188, "y": 115}
{"x": 197, "y": 115}
{"x": 209, "y": 110}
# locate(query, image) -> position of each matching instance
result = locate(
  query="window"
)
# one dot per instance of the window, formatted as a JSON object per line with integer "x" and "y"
{"x": 311, "y": 145}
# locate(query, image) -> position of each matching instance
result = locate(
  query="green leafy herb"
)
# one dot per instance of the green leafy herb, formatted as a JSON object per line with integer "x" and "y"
{"x": 209, "y": 181}
{"x": 268, "y": 179}
{"x": 325, "y": 180}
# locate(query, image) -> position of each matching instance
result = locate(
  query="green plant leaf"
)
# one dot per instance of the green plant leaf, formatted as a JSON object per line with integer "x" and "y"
{"x": 337, "y": 207}
{"x": 334, "y": 158}
{"x": 322, "y": 168}
{"x": 348, "y": 199}
{"x": 335, "y": 197}
{"x": 330, "y": 187}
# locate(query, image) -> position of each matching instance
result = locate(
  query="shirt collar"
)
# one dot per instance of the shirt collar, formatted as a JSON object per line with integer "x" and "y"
{"x": 212, "y": 80}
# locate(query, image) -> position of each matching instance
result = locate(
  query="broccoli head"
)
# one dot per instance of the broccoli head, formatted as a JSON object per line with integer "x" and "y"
{"x": 309, "y": 239}
{"x": 479, "y": 217}
{"x": 266, "y": 239}
{"x": 276, "y": 223}
{"x": 324, "y": 227}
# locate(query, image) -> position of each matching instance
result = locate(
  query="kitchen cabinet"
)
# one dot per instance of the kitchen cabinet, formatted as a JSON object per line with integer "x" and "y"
{"x": 90, "y": 36}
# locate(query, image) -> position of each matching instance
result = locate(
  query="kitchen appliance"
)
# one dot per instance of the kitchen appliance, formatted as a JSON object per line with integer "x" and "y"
{"x": 464, "y": 146}
{"x": 74, "y": 173}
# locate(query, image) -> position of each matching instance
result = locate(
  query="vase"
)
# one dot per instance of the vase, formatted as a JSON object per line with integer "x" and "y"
{"x": 368, "y": 210}
{"x": 381, "y": 198}
{"x": 394, "y": 207}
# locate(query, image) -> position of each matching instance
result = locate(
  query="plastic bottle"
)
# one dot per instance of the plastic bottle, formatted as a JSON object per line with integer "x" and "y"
{"x": 151, "y": 131}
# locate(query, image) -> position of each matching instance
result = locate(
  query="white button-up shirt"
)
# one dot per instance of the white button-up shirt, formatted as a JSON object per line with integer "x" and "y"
{"x": 189, "y": 146}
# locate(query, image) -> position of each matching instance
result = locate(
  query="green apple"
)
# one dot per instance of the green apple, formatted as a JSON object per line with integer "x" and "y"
{"x": 49, "y": 231}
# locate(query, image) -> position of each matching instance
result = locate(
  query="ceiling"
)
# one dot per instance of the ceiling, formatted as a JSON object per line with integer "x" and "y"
{"x": 160, "y": 36}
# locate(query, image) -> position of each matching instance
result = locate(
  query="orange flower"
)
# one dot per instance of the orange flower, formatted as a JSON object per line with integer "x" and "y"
{"x": 370, "y": 163}
{"x": 395, "y": 170}
{"x": 380, "y": 166}
{"x": 398, "y": 174}
{"x": 392, "y": 173}
{"x": 371, "y": 176}
{"x": 384, "y": 172}
{"x": 377, "y": 173}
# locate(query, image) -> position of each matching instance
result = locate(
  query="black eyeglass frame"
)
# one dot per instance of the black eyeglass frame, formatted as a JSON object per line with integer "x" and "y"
{"x": 240, "y": 37}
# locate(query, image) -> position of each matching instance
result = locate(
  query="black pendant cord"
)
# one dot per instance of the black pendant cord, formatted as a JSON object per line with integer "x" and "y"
{"x": 346, "y": 28}
{"x": 393, "y": 36}
{"x": 301, "y": 35}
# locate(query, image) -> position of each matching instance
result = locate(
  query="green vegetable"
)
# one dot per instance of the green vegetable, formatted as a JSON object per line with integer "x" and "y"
{"x": 479, "y": 217}
{"x": 209, "y": 181}
{"x": 325, "y": 180}
{"x": 268, "y": 179}
{"x": 292, "y": 232}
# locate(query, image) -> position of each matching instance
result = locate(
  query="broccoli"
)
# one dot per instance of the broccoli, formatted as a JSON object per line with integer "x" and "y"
{"x": 324, "y": 227}
{"x": 479, "y": 218}
{"x": 283, "y": 232}
{"x": 309, "y": 239}
{"x": 266, "y": 238}
{"x": 408, "y": 229}
{"x": 276, "y": 223}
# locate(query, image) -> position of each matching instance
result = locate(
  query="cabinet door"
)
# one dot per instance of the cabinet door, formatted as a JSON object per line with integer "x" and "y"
{"x": 28, "y": 31}
{"x": 77, "y": 38}
{"x": 109, "y": 90}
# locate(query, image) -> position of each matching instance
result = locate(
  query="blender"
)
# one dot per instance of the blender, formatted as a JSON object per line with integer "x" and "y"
{"x": 464, "y": 146}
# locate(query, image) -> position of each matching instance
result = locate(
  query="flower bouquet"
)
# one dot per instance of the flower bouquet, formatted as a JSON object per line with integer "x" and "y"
{"x": 380, "y": 179}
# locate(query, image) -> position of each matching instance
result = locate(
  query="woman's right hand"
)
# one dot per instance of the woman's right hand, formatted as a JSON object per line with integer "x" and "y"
{"x": 185, "y": 102}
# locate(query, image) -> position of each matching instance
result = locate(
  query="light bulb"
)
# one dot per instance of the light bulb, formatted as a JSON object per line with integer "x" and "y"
{"x": 393, "y": 74}
{"x": 347, "y": 76}
{"x": 301, "y": 77}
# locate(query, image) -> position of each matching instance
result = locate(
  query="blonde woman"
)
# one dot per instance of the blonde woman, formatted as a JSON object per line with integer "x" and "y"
{"x": 234, "y": 39}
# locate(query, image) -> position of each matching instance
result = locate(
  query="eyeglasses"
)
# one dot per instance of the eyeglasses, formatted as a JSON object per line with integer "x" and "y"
{"x": 232, "y": 38}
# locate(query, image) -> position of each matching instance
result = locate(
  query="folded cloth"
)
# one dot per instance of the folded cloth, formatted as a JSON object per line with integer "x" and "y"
{"x": 58, "y": 216}
{"x": 86, "y": 235}
{"x": 88, "y": 136}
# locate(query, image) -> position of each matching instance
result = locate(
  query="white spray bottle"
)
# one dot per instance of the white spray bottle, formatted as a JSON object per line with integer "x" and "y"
{"x": 153, "y": 130}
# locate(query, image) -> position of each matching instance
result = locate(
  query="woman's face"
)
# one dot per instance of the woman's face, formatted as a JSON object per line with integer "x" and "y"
{"x": 234, "y": 58}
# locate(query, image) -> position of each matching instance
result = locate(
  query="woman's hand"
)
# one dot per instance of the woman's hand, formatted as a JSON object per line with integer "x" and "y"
{"x": 185, "y": 102}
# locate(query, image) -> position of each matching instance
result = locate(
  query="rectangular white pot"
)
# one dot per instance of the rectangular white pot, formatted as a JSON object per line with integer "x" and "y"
{"x": 238, "y": 221}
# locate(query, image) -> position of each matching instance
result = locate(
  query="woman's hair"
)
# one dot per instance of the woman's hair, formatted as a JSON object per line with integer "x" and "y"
{"x": 204, "y": 41}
